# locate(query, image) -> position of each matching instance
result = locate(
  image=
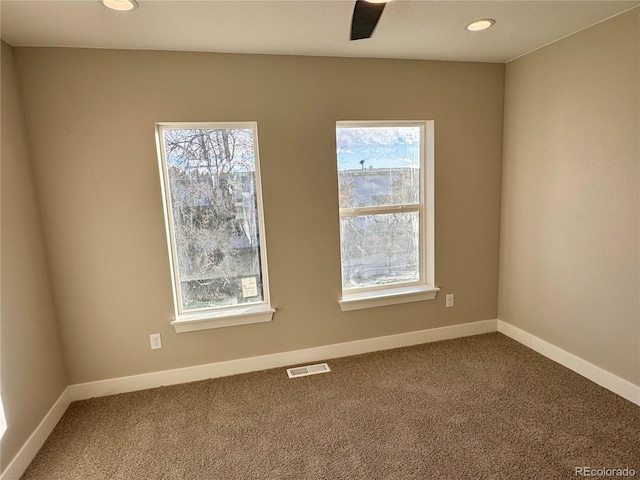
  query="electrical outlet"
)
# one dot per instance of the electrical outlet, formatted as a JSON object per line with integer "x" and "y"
{"x": 156, "y": 341}
{"x": 449, "y": 302}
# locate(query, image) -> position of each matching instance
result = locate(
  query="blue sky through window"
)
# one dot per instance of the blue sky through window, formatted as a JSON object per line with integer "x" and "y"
{"x": 378, "y": 147}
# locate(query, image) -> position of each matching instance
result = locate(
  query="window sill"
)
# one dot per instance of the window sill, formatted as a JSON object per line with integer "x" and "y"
{"x": 227, "y": 317}
{"x": 388, "y": 296}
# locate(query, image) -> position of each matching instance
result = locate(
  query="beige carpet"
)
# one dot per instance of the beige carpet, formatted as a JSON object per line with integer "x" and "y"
{"x": 481, "y": 407}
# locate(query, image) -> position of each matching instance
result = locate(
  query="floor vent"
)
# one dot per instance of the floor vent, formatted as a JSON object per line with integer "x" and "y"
{"x": 308, "y": 370}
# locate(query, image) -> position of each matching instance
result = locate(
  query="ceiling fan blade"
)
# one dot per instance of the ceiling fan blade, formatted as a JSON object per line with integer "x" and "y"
{"x": 365, "y": 19}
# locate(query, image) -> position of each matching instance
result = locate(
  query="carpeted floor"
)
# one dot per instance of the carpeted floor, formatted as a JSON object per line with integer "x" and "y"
{"x": 480, "y": 407}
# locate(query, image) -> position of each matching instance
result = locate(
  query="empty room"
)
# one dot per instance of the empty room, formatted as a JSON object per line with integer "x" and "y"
{"x": 319, "y": 239}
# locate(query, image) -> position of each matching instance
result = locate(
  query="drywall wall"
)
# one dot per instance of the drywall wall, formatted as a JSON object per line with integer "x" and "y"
{"x": 570, "y": 258}
{"x": 32, "y": 373}
{"x": 91, "y": 115}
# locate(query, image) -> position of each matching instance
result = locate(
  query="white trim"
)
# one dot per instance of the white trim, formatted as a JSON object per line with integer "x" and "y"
{"x": 27, "y": 453}
{"x": 594, "y": 373}
{"x": 134, "y": 383}
{"x": 223, "y": 318}
{"x": 380, "y": 210}
{"x": 388, "y": 296}
{"x": 428, "y": 179}
{"x": 276, "y": 360}
{"x": 83, "y": 391}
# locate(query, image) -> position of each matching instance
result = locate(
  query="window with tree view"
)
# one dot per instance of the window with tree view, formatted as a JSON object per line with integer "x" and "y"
{"x": 212, "y": 198}
{"x": 381, "y": 187}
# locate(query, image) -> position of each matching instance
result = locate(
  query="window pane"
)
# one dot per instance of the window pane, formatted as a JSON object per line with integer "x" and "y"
{"x": 212, "y": 186}
{"x": 378, "y": 166}
{"x": 380, "y": 249}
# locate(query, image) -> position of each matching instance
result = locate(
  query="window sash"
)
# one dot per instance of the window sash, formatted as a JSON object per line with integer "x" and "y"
{"x": 421, "y": 256}
{"x": 359, "y": 211}
{"x": 170, "y": 221}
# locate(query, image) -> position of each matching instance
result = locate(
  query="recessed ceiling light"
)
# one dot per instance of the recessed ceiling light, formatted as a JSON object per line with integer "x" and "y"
{"x": 120, "y": 5}
{"x": 479, "y": 25}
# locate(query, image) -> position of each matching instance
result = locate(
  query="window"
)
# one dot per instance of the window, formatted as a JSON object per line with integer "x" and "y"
{"x": 385, "y": 189}
{"x": 213, "y": 209}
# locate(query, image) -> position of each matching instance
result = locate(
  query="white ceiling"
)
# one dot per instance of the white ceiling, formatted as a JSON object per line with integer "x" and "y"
{"x": 431, "y": 30}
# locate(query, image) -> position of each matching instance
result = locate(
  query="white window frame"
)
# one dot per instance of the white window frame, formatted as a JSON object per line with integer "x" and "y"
{"x": 221, "y": 316}
{"x": 424, "y": 288}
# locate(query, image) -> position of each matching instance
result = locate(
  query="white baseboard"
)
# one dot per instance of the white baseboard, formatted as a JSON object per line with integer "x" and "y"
{"x": 113, "y": 386}
{"x": 30, "y": 448}
{"x": 596, "y": 374}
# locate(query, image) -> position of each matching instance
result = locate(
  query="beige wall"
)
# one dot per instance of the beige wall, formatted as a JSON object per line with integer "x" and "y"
{"x": 570, "y": 258}
{"x": 91, "y": 114}
{"x": 32, "y": 371}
